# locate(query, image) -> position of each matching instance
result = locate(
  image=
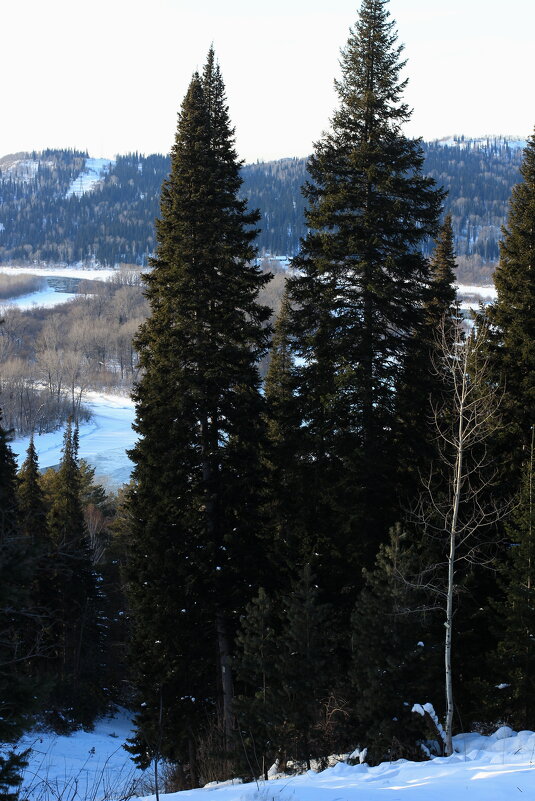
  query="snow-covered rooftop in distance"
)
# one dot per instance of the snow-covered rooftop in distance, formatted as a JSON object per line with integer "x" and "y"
{"x": 94, "y": 171}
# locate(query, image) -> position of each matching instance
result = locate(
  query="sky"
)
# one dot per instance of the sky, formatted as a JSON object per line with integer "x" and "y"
{"x": 108, "y": 76}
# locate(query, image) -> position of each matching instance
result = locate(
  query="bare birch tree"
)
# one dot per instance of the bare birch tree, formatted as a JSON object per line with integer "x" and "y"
{"x": 457, "y": 506}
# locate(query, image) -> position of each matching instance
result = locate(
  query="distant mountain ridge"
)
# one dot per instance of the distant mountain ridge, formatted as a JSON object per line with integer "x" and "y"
{"x": 61, "y": 206}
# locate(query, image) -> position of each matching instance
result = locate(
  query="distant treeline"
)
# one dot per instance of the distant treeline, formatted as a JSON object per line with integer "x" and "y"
{"x": 114, "y": 223}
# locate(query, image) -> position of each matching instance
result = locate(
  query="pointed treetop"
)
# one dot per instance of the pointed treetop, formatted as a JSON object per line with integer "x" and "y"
{"x": 370, "y": 65}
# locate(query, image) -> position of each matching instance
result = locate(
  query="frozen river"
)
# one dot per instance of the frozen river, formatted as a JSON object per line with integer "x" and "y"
{"x": 103, "y": 441}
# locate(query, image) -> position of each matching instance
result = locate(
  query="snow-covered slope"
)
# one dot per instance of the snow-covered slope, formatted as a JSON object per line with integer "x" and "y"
{"x": 465, "y": 142}
{"x": 94, "y": 172}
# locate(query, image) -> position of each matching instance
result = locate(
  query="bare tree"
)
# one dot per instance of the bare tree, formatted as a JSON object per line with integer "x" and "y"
{"x": 457, "y": 507}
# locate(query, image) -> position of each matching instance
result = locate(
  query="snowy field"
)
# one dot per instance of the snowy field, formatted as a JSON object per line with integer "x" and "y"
{"x": 83, "y": 766}
{"x": 94, "y": 766}
{"x": 48, "y": 298}
{"x": 44, "y": 298}
{"x": 486, "y": 293}
{"x": 89, "y": 273}
{"x": 103, "y": 441}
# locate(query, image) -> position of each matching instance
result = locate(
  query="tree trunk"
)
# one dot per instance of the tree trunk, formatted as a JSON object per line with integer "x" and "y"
{"x": 457, "y": 484}
{"x": 227, "y": 691}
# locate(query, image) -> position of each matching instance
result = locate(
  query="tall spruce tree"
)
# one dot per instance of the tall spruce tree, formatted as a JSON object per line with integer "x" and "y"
{"x": 511, "y": 328}
{"x": 195, "y": 546}
{"x": 357, "y": 299}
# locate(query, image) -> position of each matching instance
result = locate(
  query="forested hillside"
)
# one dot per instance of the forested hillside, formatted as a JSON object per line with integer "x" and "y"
{"x": 50, "y": 213}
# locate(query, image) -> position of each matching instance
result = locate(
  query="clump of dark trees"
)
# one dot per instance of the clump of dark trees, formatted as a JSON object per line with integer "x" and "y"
{"x": 61, "y": 619}
{"x": 306, "y": 560}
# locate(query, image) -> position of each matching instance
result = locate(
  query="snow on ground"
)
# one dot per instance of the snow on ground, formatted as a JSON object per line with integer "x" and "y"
{"x": 93, "y": 765}
{"x": 48, "y": 298}
{"x": 496, "y": 768}
{"x": 487, "y": 292}
{"x": 72, "y": 271}
{"x": 514, "y": 143}
{"x": 81, "y": 766}
{"x": 103, "y": 440}
{"x": 45, "y": 298}
{"x": 94, "y": 171}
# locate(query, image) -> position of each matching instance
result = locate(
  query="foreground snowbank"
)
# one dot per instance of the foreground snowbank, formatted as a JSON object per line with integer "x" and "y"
{"x": 496, "y": 768}
{"x": 94, "y": 766}
{"x": 81, "y": 766}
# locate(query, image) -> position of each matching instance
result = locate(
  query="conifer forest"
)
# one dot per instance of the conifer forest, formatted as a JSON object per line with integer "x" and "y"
{"x": 330, "y": 516}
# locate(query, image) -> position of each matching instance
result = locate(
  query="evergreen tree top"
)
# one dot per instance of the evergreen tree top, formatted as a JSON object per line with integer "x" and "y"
{"x": 370, "y": 90}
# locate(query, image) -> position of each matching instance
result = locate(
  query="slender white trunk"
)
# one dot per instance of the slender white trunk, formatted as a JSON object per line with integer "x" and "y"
{"x": 457, "y": 486}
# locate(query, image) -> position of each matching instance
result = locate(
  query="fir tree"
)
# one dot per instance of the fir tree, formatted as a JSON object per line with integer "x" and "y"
{"x": 74, "y": 636}
{"x": 396, "y": 661}
{"x": 9, "y": 527}
{"x": 16, "y": 688}
{"x": 421, "y": 390}
{"x": 287, "y": 666}
{"x": 260, "y": 716}
{"x": 357, "y": 299}
{"x": 285, "y": 490}
{"x": 32, "y": 508}
{"x": 511, "y": 329}
{"x": 307, "y": 666}
{"x": 195, "y": 504}
{"x": 514, "y": 661}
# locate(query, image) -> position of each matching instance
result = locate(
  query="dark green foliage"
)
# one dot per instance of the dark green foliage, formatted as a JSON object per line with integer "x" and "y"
{"x": 514, "y": 661}
{"x": 32, "y": 508}
{"x": 357, "y": 300}
{"x": 289, "y": 707}
{"x": 290, "y": 539}
{"x": 421, "y": 391}
{"x": 260, "y": 715}
{"x": 195, "y": 548}
{"x": 397, "y": 653}
{"x": 8, "y": 488}
{"x": 16, "y": 689}
{"x": 511, "y": 329}
{"x": 74, "y": 641}
{"x": 307, "y": 665}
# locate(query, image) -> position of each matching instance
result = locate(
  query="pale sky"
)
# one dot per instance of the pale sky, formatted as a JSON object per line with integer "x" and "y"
{"x": 109, "y": 75}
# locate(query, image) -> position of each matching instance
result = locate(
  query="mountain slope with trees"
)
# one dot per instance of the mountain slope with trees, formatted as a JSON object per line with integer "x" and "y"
{"x": 41, "y": 220}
